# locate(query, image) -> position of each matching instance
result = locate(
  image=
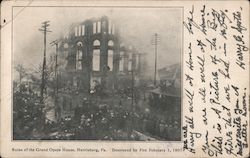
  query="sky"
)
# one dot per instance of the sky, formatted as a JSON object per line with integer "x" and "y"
{"x": 137, "y": 24}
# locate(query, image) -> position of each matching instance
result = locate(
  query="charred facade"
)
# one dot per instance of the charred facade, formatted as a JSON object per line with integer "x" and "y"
{"x": 93, "y": 59}
{"x": 94, "y": 54}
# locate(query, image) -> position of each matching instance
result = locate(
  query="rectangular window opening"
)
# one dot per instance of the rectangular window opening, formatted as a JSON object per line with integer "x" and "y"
{"x": 113, "y": 29}
{"x": 98, "y": 27}
{"x": 96, "y": 60}
{"x": 110, "y": 28}
{"x": 79, "y": 60}
{"x": 110, "y": 59}
{"x": 83, "y": 30}
{"x": 129, "y": 65}
{"x": 79, "y": 30}
{"x": 94, "y": 28}
{"x": 76, "y": 32}
{"x": 121, "y": 63}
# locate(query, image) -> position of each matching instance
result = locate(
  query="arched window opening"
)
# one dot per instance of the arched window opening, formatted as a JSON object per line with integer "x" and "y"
{"x": 110, "y": 59}
{"x": 96, "y": 60}
{"x": 79, "y": 44}
{"x": 110, "y": 43}
{"x": 97, "y": 43}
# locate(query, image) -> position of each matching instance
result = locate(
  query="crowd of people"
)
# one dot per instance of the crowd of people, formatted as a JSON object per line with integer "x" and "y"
{"x": 163, "y": 129}
{"x": 96, "y": 122}
{"x": 113, "y": 122}
{"x": 99, "y": 120}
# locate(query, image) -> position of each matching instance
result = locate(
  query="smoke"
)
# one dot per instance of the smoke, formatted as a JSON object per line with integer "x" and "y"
{"x": 137, "y": 27}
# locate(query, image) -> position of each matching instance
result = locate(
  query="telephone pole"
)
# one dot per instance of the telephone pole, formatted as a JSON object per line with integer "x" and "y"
{"x": 44, "y": 30}
{"x": 56, "y": 78}
{"x": 132, "y": 88}
{"x": 155, "y": 41}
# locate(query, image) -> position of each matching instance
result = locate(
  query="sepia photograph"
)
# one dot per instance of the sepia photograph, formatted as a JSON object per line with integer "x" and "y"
{"x": 124, "y": 78}
{"x": 97, "y": 73}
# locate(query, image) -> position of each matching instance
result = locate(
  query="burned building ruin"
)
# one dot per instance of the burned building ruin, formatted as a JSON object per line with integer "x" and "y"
{"x": 95, "y": 54}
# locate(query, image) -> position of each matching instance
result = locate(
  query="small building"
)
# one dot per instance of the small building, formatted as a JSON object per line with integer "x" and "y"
{"x": 170, "y": 76}
{"x": 166, "y": 99}
{"x": 168, "y": 95}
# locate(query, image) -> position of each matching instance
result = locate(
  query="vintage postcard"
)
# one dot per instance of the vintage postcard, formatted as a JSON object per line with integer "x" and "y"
{"x": 124, "y": 78}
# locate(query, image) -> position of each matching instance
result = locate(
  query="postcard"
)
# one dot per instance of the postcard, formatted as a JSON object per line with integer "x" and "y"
{"x": 124, "y": 78}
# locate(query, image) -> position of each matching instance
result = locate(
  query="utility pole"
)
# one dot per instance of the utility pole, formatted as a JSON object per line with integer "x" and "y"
{"x": 155, "y": 43}
{"x": 131, "y": 115}
{"x": 132, "y": 88}
{"x": 44, "y": 30}
{"x": 56, "y": 78}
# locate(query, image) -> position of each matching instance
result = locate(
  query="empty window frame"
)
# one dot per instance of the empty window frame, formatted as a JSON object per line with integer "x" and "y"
{"x": 75, "y": 81}
{"x": 137, "y": 61}
{"x": 98, "y": 27}
{"x": 121, "y": 62}
{"x": 130, "y": 56}
{"x": 83, "y": 30}
{"x": 104, "y": 27}
{"x": 110, "y": 59}
{"x": 79, "y": 30}
{"x": 66, "y": 35}
{"x": 110, "y": 43}
{"x": 110, "y": 26}
{"x": 96, "y": 43}
{"x": 94, "y": 28}
{"x": 96, "y": 60}
{"x": 130, "y": 65}
{"x": 79, "y": 60}
{"x": 113, "y": 29}
{"x": 76, "y": 31}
